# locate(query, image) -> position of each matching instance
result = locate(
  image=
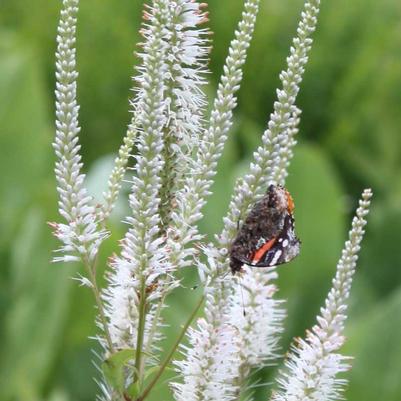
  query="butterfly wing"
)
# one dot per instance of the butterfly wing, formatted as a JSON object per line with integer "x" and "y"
{"x": 278, "y": 250}
{"x": 267, "y": 236}
{"x": 260, "y": 229}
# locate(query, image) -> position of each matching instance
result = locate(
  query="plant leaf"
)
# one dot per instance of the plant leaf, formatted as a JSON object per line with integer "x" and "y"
{"x": 374, "y": 342}
{"x": 113, "y": 367}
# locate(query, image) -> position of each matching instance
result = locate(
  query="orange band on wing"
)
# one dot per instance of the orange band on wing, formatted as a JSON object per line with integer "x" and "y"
{"x": 262, "y": 250}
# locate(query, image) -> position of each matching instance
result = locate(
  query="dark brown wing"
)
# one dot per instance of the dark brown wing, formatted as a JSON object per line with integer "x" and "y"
{"x": 284, "y": 248}
{"x": 260, "y": 229}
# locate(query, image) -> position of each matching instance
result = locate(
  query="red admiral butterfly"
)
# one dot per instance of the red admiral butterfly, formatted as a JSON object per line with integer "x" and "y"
{"x": 267, "y": 237}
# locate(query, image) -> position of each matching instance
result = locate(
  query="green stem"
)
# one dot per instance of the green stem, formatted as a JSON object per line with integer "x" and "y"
{"x": 141, "y": 333}
{"x": 152, "y": 331}
{"x": 172, "y": 351}
{"x": 92, "y": 277}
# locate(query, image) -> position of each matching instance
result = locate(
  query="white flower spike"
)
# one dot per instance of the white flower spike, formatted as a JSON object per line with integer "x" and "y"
{"x": 257, "y": 316}
{"x": 81, "y": 234}
{"x": 196, "y": 187}
{"x": 314, "y": 363}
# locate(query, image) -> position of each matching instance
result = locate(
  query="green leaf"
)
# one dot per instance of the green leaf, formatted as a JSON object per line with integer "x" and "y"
{"x": 155, "y": 369}
{"x": 33, "y": 324}
{"x": 380, "y": 255}
{"x": 113, "y": 367}
{"x": 133, "y": 390}
{"x": 364, "y": 133}
{"x": 374, "y": 342}
{"x": 25, "y": 135}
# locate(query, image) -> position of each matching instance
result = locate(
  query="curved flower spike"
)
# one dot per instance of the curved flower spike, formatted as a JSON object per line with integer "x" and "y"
{"x": 314, "y": 363}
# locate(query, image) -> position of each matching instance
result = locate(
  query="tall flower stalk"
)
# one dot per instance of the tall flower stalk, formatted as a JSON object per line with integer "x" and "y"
{"x": 80, "y": 235}
{"x": 196, "y": 187}
{"x": 314, "y": 363}
{"x": 142, "y": 276}
{"x": 177, "y": 149}
{"x": 136, "y": 280}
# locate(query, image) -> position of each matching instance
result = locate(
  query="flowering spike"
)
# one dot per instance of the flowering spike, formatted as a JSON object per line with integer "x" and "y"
{"x": 271, "y": 159}
{"x": 81, "y": 235}
{"x": 191, "y": 198}
{"x": 314, "y": 363}
{"x": 143, "y": 258}
{"x": 211, "y": 361}
{"x": 186, "y": 67}
{"x": 117, "y": 174}
{"x": 258, "y": 318}
{"x": 210, "y": 365}
{"x": 203, "y": 378}
{"x": 186, "y": 57}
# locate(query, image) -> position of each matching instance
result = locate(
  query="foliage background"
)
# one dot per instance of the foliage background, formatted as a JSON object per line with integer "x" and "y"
{"x": 350, "y": 138}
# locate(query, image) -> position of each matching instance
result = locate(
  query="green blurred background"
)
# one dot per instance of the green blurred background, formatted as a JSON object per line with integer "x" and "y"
{"x": 349, "y": 139}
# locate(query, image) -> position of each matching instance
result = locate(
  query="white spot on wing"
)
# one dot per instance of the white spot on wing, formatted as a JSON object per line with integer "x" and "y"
{"x": 276, "y": 257}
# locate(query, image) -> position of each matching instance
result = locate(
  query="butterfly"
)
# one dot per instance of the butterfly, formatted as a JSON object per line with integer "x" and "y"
{"x": 267, "y": 236}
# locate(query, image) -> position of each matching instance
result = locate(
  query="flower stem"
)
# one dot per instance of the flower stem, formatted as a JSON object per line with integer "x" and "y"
{"x": 141, "y": 333}
{"x": 172, "y": 351}
{"x": 153, "y": 329}
{"x": 91, "y": 269}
